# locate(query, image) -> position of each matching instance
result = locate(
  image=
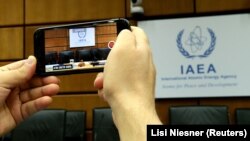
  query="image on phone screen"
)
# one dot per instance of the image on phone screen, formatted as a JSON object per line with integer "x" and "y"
{"x": 73, "y": 48}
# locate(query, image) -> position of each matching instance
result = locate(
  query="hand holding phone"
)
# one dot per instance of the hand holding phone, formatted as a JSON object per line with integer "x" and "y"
{"x": 76, "y": 48}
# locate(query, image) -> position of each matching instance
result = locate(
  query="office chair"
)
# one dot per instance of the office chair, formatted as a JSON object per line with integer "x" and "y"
{"x": 198, "y": 115}
{"x": 101, "y": 53}
{"x": 51, "y": 58}
{"x": 84, "y": 54}
{"x": 75, "y": 126}
{"x": 95, "y": 52}
{"x": 65, "y": 56}
{"x": 6, "y": 137}
{"x": 104, "y": 128}
{"x": 46, "y": 125}
{"x": 242, "y": 116}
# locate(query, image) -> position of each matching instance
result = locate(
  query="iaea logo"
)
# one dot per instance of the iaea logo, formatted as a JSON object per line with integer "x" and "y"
{"x": 196, "y": 43}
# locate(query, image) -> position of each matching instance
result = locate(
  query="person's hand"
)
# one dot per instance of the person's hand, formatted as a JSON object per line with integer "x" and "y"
{"x": 21, "y": 94}
{"x": 128, "y": 84}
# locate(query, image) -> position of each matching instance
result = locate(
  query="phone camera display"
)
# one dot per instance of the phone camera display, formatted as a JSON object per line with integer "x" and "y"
{"x": 78, "y": 48}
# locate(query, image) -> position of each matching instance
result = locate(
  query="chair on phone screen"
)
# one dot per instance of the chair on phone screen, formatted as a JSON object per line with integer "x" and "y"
{"x": 198, "y": 115}
{"x": 84, "y": 55}
{"x": 103, "y": 53}
{"x": 65, "y": 56}
{"x": 51, "y": 58}
{"x": 100, "y": 53}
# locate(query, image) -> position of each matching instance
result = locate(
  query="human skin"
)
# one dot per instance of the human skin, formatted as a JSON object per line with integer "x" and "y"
{"x": 22, "y": 94}
{"x": 128, "y": 85}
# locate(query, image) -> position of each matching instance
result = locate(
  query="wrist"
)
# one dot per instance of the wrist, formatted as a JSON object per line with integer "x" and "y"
{"x": 132, "y": 120}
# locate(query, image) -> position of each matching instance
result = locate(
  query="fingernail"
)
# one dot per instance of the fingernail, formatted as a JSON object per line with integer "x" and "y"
{"x": 30, "y": 60}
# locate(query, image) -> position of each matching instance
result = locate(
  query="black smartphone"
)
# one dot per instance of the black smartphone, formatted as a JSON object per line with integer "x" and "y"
{"x": 75, "y": 48}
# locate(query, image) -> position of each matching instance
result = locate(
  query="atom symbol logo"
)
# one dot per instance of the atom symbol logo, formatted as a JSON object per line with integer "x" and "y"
{"x": 198, "y": 44}
{"x": 196, "y": 40}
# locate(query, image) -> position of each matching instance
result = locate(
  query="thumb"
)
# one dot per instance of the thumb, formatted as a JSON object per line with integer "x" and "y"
{"x": 18, "y": 74}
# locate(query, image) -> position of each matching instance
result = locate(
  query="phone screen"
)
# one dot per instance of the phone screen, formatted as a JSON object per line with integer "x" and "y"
{"x": 75, "y": 48}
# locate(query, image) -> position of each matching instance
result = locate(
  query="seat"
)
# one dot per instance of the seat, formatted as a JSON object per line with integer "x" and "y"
{"x": 65, "y": 56}
{"x": 6, "y": 137}
{"x": 242, "y": 116}
{"x": 75, "y": 126}
{"x": 103, "y": 53}
{"x": 198, "y": 115}
{"x": 84, "y": 55}
{"x": 100, "y": 53}
{"x": 104, "y": 128}
{"x": 51, "y": 58}
{"x": 45, "y": 125}
{"x": 96, "y": 55}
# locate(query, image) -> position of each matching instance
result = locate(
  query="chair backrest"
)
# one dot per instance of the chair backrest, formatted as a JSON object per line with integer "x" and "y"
{"x": 6, "y": 137}
{"x": 46, "y": 125}
{"x": 100, "y": 53}
{"x": 84, "y": 55}
{"x": 242, "y": 116}
{"x": 198, "y": 115}
{"x": 103, "y": 53}
{"x": 75, "y": 126}
{"x": 51, "y": 58}
{"x": 65, "y": 56}
{"x": 104, "y": 128}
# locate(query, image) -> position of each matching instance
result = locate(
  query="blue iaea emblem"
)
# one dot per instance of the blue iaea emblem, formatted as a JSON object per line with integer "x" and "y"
{"x": 196, "y": 43}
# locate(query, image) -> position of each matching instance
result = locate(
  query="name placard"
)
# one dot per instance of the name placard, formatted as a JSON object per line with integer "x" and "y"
{"x": 204, "y": 56}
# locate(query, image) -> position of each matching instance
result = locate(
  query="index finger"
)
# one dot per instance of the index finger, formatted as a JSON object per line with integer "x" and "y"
{"x": 140, "y": 37}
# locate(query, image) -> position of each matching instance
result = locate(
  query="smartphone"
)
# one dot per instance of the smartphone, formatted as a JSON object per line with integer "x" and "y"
{"x": 75, "y": 48}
